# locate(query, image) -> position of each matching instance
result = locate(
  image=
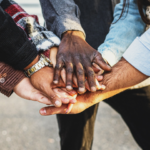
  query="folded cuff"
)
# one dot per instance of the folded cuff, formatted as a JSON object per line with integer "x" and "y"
{"x": 9, "y": 78}
{"x": 138, "y": 56}
{"x": 109, "y": 56}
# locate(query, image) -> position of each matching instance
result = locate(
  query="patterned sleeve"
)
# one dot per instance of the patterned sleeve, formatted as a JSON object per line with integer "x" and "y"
{"x": 40, "y": 36}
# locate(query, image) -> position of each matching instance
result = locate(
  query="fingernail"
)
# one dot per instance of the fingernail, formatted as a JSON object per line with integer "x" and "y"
{"x": 57, "y": 103}
{"x": 103, "y": 87}
{"x": 81, "y": 90}
{"x": 55, "y": 82}
{"x": 68, "y": 87}
{"x": 93, "y": 89}
{"x": 99, "y": 77}
{"x": 43, "y": 111}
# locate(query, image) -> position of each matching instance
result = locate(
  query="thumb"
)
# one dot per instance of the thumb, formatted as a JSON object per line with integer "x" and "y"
{"x": 39, "y": 97}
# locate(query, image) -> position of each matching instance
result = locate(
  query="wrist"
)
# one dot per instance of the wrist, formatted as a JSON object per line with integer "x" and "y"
{"x": 74, "y": 33}
{"x": 32, "y": 63}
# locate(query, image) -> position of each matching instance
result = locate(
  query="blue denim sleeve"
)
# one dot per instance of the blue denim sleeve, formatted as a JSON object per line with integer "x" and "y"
{"x": 122, "y": 33}
{"x": 61, "y": 16}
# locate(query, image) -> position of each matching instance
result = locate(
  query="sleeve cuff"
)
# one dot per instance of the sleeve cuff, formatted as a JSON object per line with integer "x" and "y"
{"x": 138, "y": 56}
{"x": 65, "y": 23}
{"x": 109, "y": 56}
{"x": 9, "y": 78}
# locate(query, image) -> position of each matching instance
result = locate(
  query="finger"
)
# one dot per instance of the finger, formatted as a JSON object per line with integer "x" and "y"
{"x": 69, "y": 108}
{"x": 63, "y": 75}
{"x": 98, "y": 86}
{"x": 103, "y": 87}
{"x": 40, "y": 98}
{"x": 72, "y": 92}
{"x": 95, "y": 67}
{"x": 75, "y": 82}
{"x": 69, "y": 76}
{"x": 51, "y": 110}
{"x": 87, "y": 86}
{"x": 50, "y": 94}
{"x": 80, "y": 78}
{"x": 91, "y": 77}
{"x": 58, "y": 68}
{"x": 65, "y": 97}
{"x": 99, "y": 77}
{"x": 100, "y": 61}
{"x": 53, "y": 54}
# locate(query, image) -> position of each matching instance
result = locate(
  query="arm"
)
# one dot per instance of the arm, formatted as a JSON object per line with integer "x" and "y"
{"x": 61, "y": 16}
{"x": 122, "y": 33}
{"x": 74, "y": 52}
{"x": 15, "y": 48}
{"x": 122, "y": 76}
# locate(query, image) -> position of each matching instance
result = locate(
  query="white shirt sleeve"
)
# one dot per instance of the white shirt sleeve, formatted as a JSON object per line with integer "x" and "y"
{"x": 138, "y": 53}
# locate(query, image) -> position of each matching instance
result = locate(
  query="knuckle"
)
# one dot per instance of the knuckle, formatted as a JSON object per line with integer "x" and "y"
{"x": 69, "y": 70}
{"x": 58, "y": 66}
{"x": 81, "y": 83}
{"x": 80, "y": 72}
{"x": 77, "y": 57}
{"x": 91, "y": 82}
{"x": 91, "y": 73}
{"x": 52, "y": 97}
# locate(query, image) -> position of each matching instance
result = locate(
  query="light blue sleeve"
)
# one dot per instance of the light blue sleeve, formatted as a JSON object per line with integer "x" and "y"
{"x": 122, "y": 33}
{"x": 138, "y": 53}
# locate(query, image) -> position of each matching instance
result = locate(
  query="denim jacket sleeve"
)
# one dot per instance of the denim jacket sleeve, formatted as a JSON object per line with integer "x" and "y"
{"x": 61, "y": 16}
{"x": 122, "y": 33}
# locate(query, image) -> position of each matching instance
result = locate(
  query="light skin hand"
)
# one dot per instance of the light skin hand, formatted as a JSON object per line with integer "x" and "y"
{"x": 43, "y": 81}
{"x": 25, "y": 90}
{"x": 76, "y": 54}
{"x": 122, "y": 77}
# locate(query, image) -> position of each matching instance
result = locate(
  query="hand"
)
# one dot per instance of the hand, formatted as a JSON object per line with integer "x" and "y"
{"x": 83, "y": 102}
{"x": 75, "y": 53}
{"x": 25, "y": 90}
{"x": 95, "y": 67}
{"x": 43, "y": 81}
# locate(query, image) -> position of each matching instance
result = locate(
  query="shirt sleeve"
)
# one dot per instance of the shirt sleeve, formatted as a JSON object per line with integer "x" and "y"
{"x": 9, "y": 78}
{"x": 61, "y": 16}
{"x": 138, "y": 53}
{"x": 15, "y": 48}
{"x": 122, "y": 32}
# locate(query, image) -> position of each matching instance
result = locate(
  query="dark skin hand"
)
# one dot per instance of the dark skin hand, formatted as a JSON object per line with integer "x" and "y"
{"x": 76, "y": 55}
{"x": 122, "y": 76}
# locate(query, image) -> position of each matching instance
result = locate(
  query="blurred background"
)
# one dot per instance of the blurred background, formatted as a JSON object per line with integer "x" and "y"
{"x": 22, "y": 127}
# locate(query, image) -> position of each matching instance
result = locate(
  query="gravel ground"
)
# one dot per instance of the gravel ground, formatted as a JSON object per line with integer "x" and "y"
{"x": 22, "y": 128}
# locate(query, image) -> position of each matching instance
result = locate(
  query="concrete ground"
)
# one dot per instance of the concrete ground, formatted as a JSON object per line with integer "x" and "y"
{"x": 22, "y": 127}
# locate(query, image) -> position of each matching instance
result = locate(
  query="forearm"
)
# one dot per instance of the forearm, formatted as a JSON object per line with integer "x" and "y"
{"x": 122, "y": 76}
{"x": 127, "y": 29}
{"x": 15, "y": 48}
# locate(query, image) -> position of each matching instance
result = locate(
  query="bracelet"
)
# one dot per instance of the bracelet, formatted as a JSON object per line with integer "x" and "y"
{"x": 43, "y": 61}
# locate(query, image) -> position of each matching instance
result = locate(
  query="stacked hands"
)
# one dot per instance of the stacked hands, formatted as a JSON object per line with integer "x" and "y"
{"x": 67, "y": 86}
